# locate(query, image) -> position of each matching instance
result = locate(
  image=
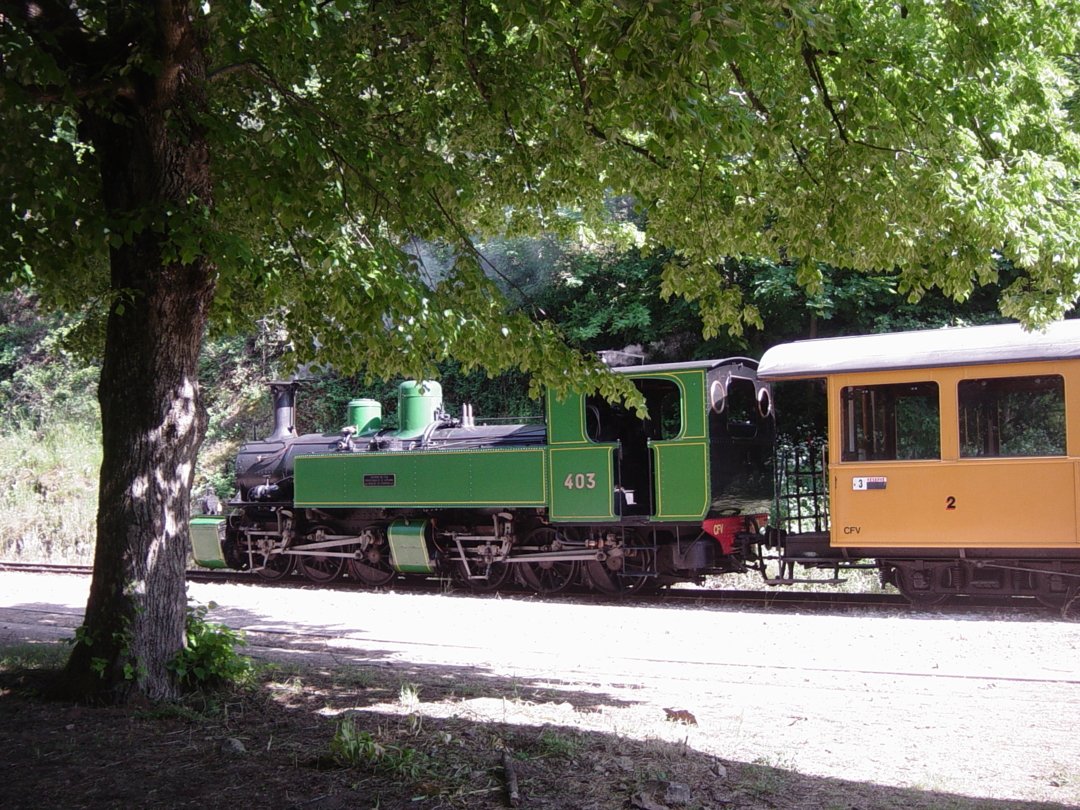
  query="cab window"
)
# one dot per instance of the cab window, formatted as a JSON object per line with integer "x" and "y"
{"x": 742, "y": 409}
{"x": 605, "y": 422}
{"x": 899, "y": 421}
{"x": 664, "y": 401}
{"x": 1012, "y": 416}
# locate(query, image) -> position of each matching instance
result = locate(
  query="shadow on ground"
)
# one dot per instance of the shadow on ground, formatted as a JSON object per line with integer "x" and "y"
{"x": 350, "y": 735}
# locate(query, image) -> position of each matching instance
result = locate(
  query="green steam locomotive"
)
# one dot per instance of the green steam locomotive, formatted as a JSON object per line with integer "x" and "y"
{"x": 594, "y": 496}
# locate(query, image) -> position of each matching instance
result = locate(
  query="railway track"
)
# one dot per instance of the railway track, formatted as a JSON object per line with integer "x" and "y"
{"x": 689, "y": 596}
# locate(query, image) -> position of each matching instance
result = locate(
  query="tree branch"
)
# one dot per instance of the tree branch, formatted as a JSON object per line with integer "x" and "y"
{"x": 755, "y": 102}
{"x": 470, "y": 63}
{"x": 579, "y": 74}
{"x": 228, "y": 70}
{"x": 802, "y": 163}
{"x": 992, "y": 152}
{"x": 586, "y": 108}
{"x": 263, "y": 74}
{"x": 467, "y": 241}
{"x": 809, "y": 56}
{"x": 56, "y": 93}
{"x": 810, "y": 59}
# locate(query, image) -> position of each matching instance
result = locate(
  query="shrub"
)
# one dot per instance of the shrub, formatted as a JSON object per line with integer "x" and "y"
{"x": 209, "y": 658}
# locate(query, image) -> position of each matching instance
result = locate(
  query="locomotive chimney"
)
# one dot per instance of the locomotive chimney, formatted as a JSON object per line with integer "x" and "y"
{"x": 284, "y": 397}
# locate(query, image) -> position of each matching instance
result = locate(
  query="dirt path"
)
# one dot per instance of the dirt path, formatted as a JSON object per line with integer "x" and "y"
{"x": 983, "y": 706}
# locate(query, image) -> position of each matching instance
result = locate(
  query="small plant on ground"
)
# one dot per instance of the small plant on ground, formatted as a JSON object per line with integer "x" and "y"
{"x": 209, "y": 658}
{"x": 354, "y": 748}
{"x": 553, "y": 744}
{"x": 763, "y": 778}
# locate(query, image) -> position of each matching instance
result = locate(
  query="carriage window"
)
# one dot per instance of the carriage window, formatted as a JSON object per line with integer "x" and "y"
{"x": 1012, "y": 416}
{"x": 891, "y": 422}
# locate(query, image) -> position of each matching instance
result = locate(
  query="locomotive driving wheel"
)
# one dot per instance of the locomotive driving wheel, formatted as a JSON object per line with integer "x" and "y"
{"x": 317, "y": 568}
{"x": 371, "y": 565}
{"x": 277, "y": 567}
{"x": 548, "y": 576}
{"x": 627, "y": 569}
{"x": 274, "y": 566}
{"x": 482, "y": 575}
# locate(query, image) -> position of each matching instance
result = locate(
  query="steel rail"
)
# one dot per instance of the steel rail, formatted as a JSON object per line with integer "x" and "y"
{"x": 768, "y": 598}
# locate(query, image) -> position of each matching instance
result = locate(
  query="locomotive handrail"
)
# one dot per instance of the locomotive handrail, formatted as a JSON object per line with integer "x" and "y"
{"x": 510, "y": 420}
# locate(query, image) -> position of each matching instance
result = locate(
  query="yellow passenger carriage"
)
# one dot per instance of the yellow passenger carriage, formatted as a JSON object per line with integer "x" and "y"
{"x": 953, "y": 457}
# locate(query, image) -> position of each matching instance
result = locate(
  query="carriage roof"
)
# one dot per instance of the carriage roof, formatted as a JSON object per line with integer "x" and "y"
{"x": 929, "y": 348}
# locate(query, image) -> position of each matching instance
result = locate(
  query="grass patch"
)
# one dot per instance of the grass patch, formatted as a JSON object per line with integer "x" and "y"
{"x": 553, "y": 744}
{"x": 49, "y": 477}
{"x": 33, "y": 655}
{"x": 762, "y": 779}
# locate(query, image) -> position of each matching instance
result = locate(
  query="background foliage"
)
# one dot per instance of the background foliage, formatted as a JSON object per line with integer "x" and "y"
{"x": 598, "y": 295}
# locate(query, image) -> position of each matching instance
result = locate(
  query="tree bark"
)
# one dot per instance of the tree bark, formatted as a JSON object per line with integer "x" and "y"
{"x": 154, "y": 166}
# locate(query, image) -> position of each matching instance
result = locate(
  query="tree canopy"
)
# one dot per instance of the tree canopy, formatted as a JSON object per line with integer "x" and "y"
{"x": 921, "y": 136}
{"x": 177, "y": 164}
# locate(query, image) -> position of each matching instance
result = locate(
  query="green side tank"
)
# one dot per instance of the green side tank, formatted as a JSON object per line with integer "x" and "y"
{"x": 417, "y": 404}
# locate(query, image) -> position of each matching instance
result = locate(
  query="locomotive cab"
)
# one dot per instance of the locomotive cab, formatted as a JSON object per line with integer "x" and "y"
{"x": 703, "y": 449}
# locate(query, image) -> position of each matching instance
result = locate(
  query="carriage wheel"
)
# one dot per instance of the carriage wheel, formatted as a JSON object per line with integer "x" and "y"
{"x": 1046, "y": 595}
{"x": 919, "y": 597}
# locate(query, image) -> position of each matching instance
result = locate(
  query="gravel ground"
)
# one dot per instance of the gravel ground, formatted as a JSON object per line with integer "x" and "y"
{"x": 609, "y": 705}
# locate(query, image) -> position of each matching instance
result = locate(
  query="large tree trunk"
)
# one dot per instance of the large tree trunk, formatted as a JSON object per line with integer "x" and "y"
{"x": 153, "y": 159}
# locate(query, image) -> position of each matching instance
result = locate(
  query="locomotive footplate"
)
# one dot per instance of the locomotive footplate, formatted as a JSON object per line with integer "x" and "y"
{"x": 809, "y": 546}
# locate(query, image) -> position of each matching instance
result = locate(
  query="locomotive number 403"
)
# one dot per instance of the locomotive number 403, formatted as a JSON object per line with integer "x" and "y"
{"x": 580, "y": 481}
